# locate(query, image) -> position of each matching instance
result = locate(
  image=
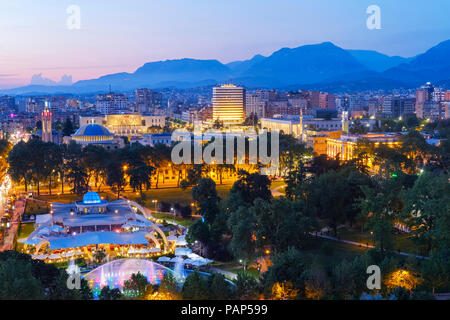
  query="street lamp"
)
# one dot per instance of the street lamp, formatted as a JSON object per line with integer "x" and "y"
{"x": 155, "y": 202}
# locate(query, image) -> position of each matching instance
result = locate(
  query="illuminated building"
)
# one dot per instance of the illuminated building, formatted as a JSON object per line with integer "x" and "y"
{"x": 346, "y": 144}
{"x": 229, "y": 104}
{"x": 46, "y": 117}
{"x": 317, "y": 140}
{"x": 97, "y": 135}
{"x": 125, "y": 124}
{"x": 294, "y": 125}
{"x": 81, "y": 228}
{"x": 111, "y": 103}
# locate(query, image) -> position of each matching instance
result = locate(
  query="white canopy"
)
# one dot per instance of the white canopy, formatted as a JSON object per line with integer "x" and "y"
{"x": 164, "y": 259}
{"x": 182, "y": 251}
{"x": 43, "y": 218}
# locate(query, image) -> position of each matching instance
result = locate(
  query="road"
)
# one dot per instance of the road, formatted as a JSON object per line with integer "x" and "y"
{"x": 16, "y": 217}
{"x": 360, "y": 244}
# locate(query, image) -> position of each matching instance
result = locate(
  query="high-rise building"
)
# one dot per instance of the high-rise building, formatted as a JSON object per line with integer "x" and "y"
{"x": 229, "y": 104}
{"x": 423, "y": 95}
{"x": 144, "y": 100}
{"x": 396, "y": 106}
{"x": 314, "y": 99}
{"x": 327, "y": 101}
{"x": 46, "y": 118}
{"x": 35, "y": 105}
{"x": 254, "y": 105}
{"x": 111, "y": 103}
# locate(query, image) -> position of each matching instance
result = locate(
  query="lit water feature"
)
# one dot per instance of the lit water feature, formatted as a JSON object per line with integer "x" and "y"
{"x": 178, "y": 270}
{"x": 116, "y": 272}
{"x": 113, "y": 274}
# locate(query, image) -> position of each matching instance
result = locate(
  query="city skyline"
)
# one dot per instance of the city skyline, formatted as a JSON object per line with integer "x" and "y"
{"x": 205, "y": 31}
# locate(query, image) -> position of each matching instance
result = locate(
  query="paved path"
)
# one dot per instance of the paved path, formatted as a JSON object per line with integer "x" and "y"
{"x": 360, "y": 244}
{"x": 228, "y": 274}
{"x": 8, "y": 241}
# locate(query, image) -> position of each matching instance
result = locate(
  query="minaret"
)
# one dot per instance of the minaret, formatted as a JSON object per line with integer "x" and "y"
{"x": 301, "y": 124}
{"x": 46, "y": 125}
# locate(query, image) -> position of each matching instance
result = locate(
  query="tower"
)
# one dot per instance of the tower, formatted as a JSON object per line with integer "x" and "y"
{"x": 46, "y": 117}
{"x": 345, "y": 124}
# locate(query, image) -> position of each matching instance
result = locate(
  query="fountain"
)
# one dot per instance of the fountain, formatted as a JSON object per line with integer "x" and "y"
{"x": 179, "y": 270}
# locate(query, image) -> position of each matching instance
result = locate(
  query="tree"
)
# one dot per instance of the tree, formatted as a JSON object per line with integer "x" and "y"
{"x": 281, "y": 223}
{"x": 205, "y": 196}
{"x": 402, "y": 278}
{"x": 251, "y": 186}
{"x": 436, "y": 270}
{"x": 284, "y": 291}
{"x": 374, "y": 208}
{"x": 24, "y": 278}
{"x": 427, "y": 208}
{"x": 17, "y": 282}
{"x": 287, "y": 266}
{"x": 93, "y": 159}
{"x": 115, "y": 176}
{"x": 110, "y": 294}
{"x": 219, "y": 288}
{"x": 332, "y": 195}
{"x": 317, "y": 285}
{"x": 195, "y": 287}
{"x": 68, "y": 128}
{"x": 247, "y": 287}
{"x": 137, "y": 285}
{"x": 243, "y": 243}
{"x": 20, "y": 166}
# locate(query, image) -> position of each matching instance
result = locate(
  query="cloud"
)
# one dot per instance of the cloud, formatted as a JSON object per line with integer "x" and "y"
{"x": 38, "y": 79}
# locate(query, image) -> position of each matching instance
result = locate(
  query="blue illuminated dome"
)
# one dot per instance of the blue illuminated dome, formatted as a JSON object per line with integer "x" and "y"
{"x": 91, "y": 198}
{"x": 93, "y": 130}
{"x": 93, "y": 134}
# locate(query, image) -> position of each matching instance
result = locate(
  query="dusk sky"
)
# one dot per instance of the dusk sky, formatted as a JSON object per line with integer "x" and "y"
{"x": 120, "y": 36}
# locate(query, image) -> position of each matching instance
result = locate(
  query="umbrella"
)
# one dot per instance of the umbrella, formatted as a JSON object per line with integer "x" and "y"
{"x": 153, "y": 250}
{"x": 172, "y": 238}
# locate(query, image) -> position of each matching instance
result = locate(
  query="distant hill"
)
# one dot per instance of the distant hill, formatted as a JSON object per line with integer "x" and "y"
{"x": 376, "y": 61}
{"x": 306, "y": 64}
{"x": 240, "y": 67}
{"x": 323, "y": 65}
{"x": 433, "y": 65}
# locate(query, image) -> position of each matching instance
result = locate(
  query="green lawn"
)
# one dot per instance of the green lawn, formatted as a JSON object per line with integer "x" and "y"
{"x": 25, "y": 230}
{"x": 402, "y": 241}
{"x": 168, "y": 217}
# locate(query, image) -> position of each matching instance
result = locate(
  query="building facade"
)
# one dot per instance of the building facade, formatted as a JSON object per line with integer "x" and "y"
{"x": 229, "y": 104}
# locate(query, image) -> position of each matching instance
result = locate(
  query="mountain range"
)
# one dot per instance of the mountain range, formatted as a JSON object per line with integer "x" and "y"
{"x": 323, "y": 66}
